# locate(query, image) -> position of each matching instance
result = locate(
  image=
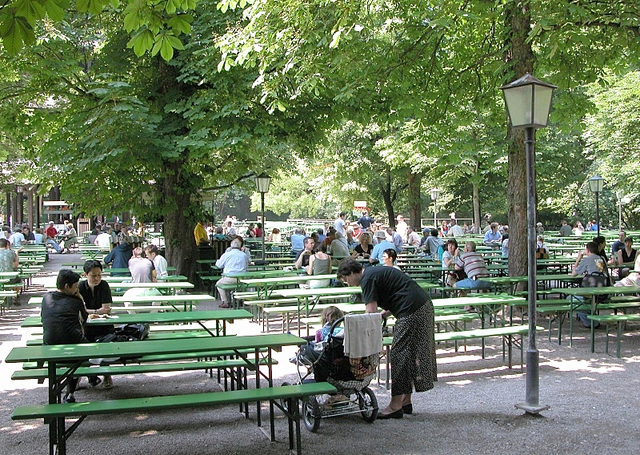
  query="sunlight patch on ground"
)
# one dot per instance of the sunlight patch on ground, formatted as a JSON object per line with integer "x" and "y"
{"x": 481, "y": 372}
{"x": 140, "y": 434}
{"x": 20, "y": 427}
{"x": 460, "y": 383}
{"x": 587, "y": 366}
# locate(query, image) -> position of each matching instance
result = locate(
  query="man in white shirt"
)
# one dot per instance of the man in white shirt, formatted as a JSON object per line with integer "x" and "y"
{"x": 17, "y": 238}
{"x": 455, "y": 230}
{"x": 103, "y": 240}
{"x": 159, "y": 262}
{"x": 340, "y": 225}
{"x": 232, "y": 261}
{"x": 401, "y": 227}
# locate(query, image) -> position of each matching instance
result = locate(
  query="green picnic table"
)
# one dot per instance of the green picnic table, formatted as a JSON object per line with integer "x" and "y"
{"x": 70, "y": 357}
{"x": 175, "y": 317}
{"x": 185, "y": 299}
{"x": 591, "y": 293}
{"x": 265, "y": 286}
{"x": 308, "y": 297}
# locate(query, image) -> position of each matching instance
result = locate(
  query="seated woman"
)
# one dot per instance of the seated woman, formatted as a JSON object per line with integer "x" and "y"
{"x": 70, "y": 237}
{"x": 623, "y": 256}
{"x": 251, "y": 231}
{"x": 275, "y": 236}
{"x": 319, "y": 264}
{"x": 364, "y": 249}
{"x": 389, "y": 257}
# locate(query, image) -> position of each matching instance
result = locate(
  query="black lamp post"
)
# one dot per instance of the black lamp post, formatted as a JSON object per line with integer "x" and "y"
{"x": 528, "y": 101}
{"x": 596, "y": 183}
{"x": 263, "y": 181}
{"x": 435, "y": 192}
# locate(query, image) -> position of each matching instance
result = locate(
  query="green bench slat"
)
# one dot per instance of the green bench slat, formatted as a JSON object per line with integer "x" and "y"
{"x": 171, "y": 402}
{"x": 483, "y": 333}
{"x": 608, "y": 318}
{"x": 166, "y": 357}
{"x": 158, "y": 335}
{"x": 475, "y": 333}
{"x": 41, "y": 373}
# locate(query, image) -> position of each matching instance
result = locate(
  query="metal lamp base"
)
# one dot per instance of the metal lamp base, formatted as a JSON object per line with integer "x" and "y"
{"x": 532, "y": 408}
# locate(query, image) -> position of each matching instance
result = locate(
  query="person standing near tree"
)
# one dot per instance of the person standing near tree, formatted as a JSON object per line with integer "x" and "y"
{"x": 340, "y": 224}
{"x": 365, "y": 221}
{"x": 200, "y": 233}
{"x": 401, "y": 228}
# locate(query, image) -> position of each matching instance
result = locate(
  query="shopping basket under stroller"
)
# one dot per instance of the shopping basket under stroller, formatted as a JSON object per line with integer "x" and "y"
{"x": 349, "y": 374}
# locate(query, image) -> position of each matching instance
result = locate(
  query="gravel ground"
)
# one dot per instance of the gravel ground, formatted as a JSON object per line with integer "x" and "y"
{"x": 594, "y": 401}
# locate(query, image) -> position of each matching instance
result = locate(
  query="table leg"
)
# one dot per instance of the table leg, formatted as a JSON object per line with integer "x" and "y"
{"x": 619, "y": 337}
{"x": 593, "y": 311}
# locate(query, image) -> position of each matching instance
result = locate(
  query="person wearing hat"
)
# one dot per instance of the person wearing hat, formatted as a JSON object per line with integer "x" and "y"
{"x": 50, "y": 234}
{"x": 378, "y": 249}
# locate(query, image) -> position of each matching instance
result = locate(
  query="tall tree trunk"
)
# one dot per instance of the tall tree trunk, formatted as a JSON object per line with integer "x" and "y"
{"x": 476, "y": 197}
{"x": 415, "y": 205}
{"x": 521, "y": 58}
{"x": 181, "y": 250}
{"x": 385, "y": 190}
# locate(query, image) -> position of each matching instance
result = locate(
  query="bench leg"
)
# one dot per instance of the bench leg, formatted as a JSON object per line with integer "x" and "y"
{"x": 619, "y": 338}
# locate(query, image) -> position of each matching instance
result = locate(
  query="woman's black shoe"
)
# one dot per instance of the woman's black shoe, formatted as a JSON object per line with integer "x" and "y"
{"x": 392, "y": 415}
{"x": 407, "y": 408}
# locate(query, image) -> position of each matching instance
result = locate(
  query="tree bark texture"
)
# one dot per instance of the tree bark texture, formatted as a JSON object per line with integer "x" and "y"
{"x": 385, "y": 190}
{"x": 415, "y": 205}
{"x": 521, "y": 58}
{"x": 476, "y": 199}
{"x": 181, "y": 251}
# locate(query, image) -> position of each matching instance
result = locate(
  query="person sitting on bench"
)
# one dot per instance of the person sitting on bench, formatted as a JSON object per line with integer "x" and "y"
{"x": 63, "y": 314}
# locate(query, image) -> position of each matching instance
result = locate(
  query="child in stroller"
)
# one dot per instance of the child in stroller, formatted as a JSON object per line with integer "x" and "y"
{"x": 314, "y": 348}
{"x": 329, "y": 361}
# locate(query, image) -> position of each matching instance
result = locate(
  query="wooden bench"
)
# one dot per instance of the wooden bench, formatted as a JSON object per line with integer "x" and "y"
{"x": 55, "y": 414}
{"x": 609, "y": 319}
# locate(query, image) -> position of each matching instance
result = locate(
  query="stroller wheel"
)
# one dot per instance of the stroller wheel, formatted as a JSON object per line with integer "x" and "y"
{"x": 283, "y": 403}
{"x": 368, "y": 404}
{"x": 311, "y": 414}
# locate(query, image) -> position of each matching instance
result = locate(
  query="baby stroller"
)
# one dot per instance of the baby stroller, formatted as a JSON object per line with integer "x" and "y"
{"x": 350, "y": 374}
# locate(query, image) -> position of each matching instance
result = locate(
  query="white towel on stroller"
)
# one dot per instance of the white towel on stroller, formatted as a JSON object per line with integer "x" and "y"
{"x": 362, "y": 334}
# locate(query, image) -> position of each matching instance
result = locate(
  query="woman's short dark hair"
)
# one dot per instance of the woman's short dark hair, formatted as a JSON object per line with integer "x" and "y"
{"x": 347, "y": 267}
{"x": 91, "y": 264}
{"x": 66, "y": 277}
{"x": 392, "y": 253}
{"x": 452, "y": 242}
